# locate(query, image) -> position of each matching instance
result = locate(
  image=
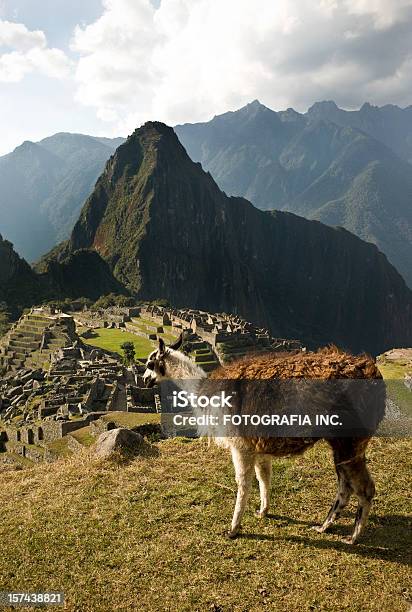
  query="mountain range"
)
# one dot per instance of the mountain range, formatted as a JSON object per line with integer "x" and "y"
{"x": 43, "y": 186}
{"x": 344, "y": 168}
{"x": 158, "y": 226}
{"x": 347, "y": 168}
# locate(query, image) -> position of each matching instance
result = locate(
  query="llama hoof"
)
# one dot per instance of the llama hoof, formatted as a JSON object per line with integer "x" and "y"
{"x": 260, "y": 514}
{"x": 349, "y": 540}
{"x": 319, "y": 528}
{"x": 232, "y": 534}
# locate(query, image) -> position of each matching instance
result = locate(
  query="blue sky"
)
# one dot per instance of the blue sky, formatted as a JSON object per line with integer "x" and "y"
{"x": 105, "y": 66}
{"x": 37, "y": 105}
{"x": 57, "y": 18}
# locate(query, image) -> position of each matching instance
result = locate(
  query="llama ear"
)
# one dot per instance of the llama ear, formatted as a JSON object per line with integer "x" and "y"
{"x": 162, "y": 347}
{"x": 176, "y": 345}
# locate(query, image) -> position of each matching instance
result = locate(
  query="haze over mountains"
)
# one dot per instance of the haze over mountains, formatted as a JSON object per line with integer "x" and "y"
{"x": 342, "y": 168}
{"x": 43, "y": 186}
{"x": 163, "y": 228}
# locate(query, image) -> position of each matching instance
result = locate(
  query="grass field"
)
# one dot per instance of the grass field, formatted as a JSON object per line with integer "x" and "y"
{"x": 146, "y": 536}
{"x": 393, "y": 371}
{"x": 112, "y": 339}
{"x": 131, "y": 419}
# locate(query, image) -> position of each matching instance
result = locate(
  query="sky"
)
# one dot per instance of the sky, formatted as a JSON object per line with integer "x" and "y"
{"x": 104, "y": 67}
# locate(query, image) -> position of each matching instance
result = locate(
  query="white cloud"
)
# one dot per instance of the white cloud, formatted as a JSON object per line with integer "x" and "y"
{"x": 27, "y": 52}
{"x": 189, "y": 59}
{"x": 383, "y": 12}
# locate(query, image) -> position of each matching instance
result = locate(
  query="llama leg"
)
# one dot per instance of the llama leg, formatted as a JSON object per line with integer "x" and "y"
{"x": 364, "y": 488}
{"x": 243, "y": 462}
{"x": 342, "y": 498}
{"x": 263, "y": 470}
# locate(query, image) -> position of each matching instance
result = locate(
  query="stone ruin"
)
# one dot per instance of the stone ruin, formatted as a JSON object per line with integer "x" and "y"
{"x": 112, "y": 317}
{"x": 32, "y": 341}
{"x": 53, "y": 388}
{"x": 227, "y": 336}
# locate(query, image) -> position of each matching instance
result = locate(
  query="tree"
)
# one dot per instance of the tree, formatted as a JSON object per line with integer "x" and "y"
{"x": 107, "y": 301}
{"x": 129, "y": 352}
{"x": 4, "y": 319}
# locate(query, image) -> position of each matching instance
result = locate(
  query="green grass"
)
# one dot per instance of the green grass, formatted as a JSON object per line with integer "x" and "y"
{"x": 131, "y": 419}
{"x": 112, "y": 339}
{"x": 150, "y": 535}
{"x": 59, "y": 447}
{"x": 143, "y": 324}
{"x": 393, "y": 373}
{"x": 84, "y": 436}
{"x": 13, "y": 461}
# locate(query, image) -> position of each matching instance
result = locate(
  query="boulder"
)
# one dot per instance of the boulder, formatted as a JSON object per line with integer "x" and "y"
{"x": 123, "y": 441}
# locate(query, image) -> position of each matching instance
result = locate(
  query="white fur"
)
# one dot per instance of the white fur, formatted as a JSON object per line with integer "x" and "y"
{"x": 181, "y": 368}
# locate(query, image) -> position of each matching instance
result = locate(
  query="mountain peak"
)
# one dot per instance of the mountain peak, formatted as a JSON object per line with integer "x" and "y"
{"x": 151, "y": 132}
{"x": 26, "y": 145}
{"x": 290, "y": 115}
{"x": 255, "y": 104}
{"x": 155, "y": 126}
{"x": 254, "y": 107}
{"x": 322, "y": 106}
{"x": 367, "y": 106}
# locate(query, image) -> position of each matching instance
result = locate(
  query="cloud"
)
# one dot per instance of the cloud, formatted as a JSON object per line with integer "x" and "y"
{"x": 189, "y": 59}
{"x": 29, "y": 53}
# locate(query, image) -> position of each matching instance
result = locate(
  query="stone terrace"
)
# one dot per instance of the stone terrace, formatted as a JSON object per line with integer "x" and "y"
{"x": 224, "y": 336}
{"x": 34, "y": 338}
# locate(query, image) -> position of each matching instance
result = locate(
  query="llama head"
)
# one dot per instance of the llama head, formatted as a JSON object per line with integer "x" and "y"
{"x": 167, "y": 362}
{"x": 162, "y": 362}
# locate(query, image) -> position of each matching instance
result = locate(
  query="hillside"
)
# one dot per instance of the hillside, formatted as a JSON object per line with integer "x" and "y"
{"x": 389, "y": 124}
{"x": 325, "y": 165}
{"x": 43, "y": 186}
{"x": 19, "y": 285}
{"x": 148, "y": 535}
{"x": 165, "y": 230}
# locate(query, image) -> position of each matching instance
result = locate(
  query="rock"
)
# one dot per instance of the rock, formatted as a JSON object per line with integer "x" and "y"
{"x": 38, "y": 375}
{"x": 26, "y": 378}
{"x": 121, "y": 440}
{"x": 14, "y": 391}
{"x": 19, "y": 399}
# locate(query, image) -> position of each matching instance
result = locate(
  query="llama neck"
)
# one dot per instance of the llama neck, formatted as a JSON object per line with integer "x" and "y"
{"x": 182, "y": 366}
{"x": 185, "y": 373}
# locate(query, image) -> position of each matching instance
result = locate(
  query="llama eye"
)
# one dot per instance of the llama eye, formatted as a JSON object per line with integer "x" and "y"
{"x": 150, "y": 365}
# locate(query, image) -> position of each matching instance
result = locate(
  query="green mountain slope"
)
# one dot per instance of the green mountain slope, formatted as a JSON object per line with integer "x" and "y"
{"x": 19, "y": 285}
{"x": 389, "y": 124}
{"x": 310, "y": 165}
{"x": 166, "y": 230}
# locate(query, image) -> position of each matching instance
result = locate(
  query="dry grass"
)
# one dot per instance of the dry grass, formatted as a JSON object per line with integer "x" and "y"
{"x": 147, "y": 536}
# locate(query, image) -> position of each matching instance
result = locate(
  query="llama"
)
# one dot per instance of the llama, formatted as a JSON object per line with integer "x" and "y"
{"x": 253, "y": 454}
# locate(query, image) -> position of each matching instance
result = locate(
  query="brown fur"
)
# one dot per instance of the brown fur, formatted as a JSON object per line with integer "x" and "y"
{"x": 327, "y": 364}
{"x": 349, "y": 453}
